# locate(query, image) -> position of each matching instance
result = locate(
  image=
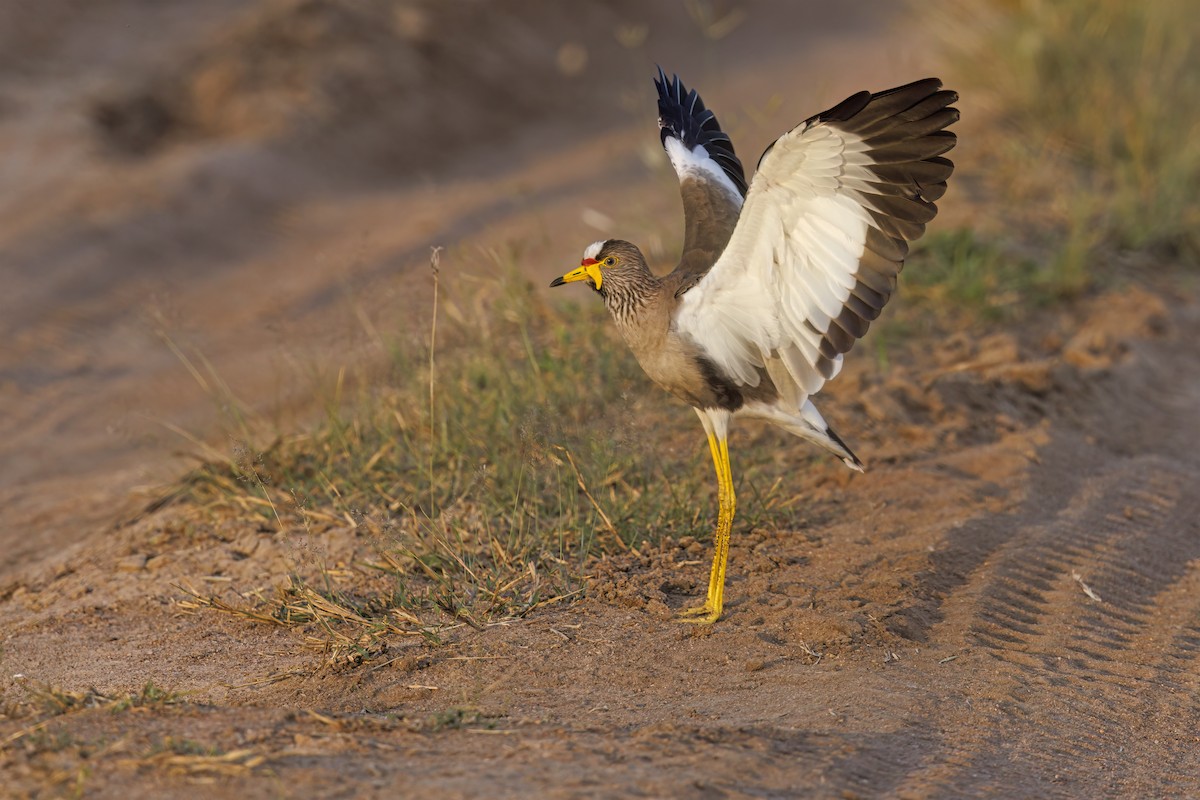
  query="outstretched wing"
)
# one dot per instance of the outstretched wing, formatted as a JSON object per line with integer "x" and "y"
{"x": 711, "y": 180}
{"x": 822, "y": 236}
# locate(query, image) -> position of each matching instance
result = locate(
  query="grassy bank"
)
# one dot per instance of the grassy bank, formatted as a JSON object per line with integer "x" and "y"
{"x": 486, "y": 460}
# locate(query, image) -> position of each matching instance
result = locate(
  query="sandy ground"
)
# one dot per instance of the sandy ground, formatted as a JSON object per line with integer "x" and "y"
{"x": 1008, "y": 603}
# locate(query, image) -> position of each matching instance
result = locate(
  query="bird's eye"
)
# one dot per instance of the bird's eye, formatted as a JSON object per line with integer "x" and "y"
{"x": 608, "y": 262}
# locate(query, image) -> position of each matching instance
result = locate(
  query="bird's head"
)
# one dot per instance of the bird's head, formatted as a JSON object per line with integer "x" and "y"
{"x": 609, "y": 260}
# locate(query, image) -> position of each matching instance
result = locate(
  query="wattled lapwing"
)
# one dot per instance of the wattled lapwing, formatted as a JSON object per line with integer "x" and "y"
{"x": 779, "y": 279}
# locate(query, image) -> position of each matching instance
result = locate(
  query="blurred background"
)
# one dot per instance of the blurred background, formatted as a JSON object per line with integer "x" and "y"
{"x": 197, "y": 192}
{"x": 211, "y": 209}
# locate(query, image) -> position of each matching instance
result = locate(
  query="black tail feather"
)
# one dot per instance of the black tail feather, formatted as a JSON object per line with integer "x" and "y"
{"x": 850, "y": 459}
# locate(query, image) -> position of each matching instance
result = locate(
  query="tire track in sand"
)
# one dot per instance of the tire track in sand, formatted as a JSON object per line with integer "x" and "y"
{"x": 1073, "y": 671}
{"x": 1055, "y": 693}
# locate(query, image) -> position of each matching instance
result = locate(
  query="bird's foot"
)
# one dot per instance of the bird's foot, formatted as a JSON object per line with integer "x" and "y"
{"x": 699, "y": 615}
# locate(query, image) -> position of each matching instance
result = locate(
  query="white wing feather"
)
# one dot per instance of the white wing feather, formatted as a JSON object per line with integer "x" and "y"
{"x": 698, "y": 164}
{"x": 791, "y": 263}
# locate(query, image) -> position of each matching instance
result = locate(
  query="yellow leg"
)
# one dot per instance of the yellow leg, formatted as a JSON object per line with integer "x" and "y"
{"x": 711, "y": 610}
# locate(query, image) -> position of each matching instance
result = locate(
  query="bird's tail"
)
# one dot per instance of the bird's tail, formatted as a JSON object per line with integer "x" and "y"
{"x": 807, "y": 424}
{"x": 846, "y": 454}
{"x": 827, "y": 437}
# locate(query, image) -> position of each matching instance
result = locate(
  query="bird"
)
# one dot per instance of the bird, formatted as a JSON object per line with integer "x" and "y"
{"x": 778, "y": 277}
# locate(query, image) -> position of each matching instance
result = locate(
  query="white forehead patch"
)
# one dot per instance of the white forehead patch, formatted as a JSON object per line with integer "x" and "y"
{"x": 593, "y": 249}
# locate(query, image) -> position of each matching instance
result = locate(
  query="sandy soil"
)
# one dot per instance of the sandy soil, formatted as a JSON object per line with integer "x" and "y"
{"x": 1008, "y": 603}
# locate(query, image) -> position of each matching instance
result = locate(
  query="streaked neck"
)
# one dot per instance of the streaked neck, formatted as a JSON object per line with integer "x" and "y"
{"x": 626, "y": 296}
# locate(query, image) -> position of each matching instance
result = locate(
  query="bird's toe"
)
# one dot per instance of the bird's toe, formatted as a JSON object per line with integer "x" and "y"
{"x": 699, "y": 615}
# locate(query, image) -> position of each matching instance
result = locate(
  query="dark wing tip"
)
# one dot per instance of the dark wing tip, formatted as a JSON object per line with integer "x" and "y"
{"x": 904, "y": 129}
{"x": 683, "y": 115}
